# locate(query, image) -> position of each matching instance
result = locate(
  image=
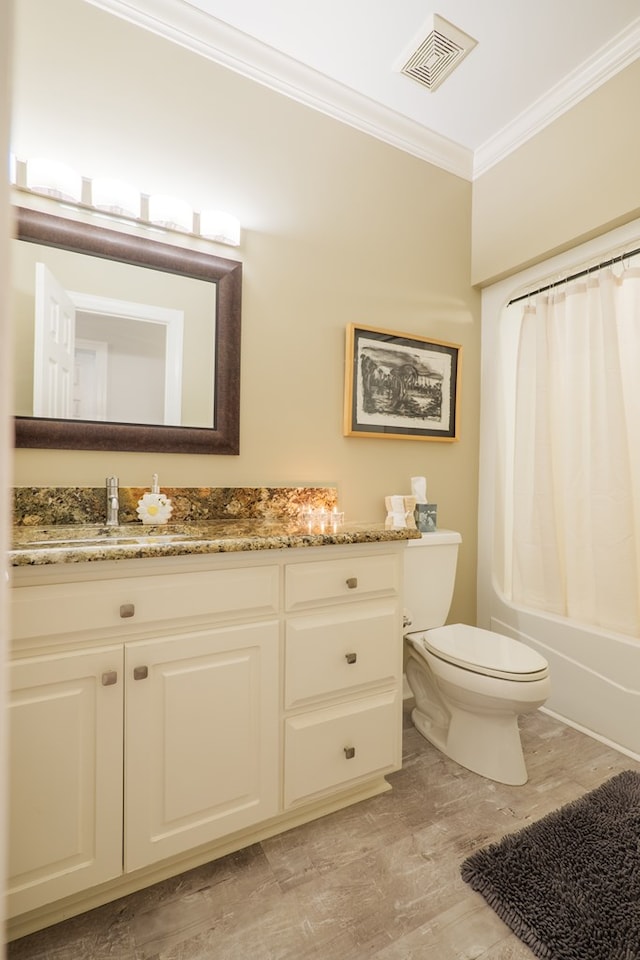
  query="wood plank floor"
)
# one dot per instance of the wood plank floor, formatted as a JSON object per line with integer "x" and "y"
{"x": 379, "y": 880}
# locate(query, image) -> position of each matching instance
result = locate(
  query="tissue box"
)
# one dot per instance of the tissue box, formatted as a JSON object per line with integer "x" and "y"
{"x": 426, "y": 515}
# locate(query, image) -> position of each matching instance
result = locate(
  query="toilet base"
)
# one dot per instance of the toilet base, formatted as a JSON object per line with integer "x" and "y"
{"x": 471, "y": 718}
{"x": 488, "y": 747}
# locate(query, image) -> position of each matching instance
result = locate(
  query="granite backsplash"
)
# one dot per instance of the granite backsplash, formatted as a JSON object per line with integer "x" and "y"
{"x": 39, "y": 506}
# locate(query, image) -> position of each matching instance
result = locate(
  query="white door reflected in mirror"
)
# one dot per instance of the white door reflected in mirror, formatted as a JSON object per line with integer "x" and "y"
{"x": 54, "y": 346}
{"x": 97, "y": 358}
{"x": 89, "y": 397}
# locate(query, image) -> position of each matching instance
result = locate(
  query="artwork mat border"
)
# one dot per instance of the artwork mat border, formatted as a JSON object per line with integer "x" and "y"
{"x": 351, "y": 428}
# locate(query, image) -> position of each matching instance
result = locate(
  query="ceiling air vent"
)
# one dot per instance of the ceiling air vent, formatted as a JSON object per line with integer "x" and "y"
{"x": 440, "y": 52}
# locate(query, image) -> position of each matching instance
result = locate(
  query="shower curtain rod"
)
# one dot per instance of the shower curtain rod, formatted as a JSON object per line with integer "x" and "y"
{"x": 576, "y": 276}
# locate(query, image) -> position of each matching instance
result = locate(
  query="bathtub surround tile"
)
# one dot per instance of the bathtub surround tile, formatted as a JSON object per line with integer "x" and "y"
{"x": 379, "y": 881}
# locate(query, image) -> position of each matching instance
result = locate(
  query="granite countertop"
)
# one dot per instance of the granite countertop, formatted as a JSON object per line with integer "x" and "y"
{"x": 83, "y": 543}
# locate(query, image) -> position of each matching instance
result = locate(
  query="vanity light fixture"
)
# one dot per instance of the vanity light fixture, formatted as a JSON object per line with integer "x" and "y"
{"x": 118, "y": 198}
{"x": 170, "y": 212}
{"x": 54, "y": 179}
{"x": 220, "y": 226}
{"x": 115, "y": 196}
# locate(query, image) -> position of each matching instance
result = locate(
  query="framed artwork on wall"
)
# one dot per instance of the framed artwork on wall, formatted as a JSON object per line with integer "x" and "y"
{"x": 400, "y": 386}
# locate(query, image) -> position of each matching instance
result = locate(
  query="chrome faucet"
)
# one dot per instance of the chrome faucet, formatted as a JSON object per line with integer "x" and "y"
{"x": 113, "y": 504}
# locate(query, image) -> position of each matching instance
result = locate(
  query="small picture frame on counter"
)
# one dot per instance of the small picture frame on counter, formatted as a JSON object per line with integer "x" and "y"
{"x": 426, "y": 515}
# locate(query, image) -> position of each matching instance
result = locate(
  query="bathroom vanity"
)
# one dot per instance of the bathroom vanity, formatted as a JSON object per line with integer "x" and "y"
{"x": 174, "y": 701}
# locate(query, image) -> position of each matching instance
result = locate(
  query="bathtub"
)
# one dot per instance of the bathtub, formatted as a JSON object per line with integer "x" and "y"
{"x": 595, "y": 674}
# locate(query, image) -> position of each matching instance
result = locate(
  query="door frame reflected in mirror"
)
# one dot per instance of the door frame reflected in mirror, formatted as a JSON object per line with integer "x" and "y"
{"x": 34, "y": 226}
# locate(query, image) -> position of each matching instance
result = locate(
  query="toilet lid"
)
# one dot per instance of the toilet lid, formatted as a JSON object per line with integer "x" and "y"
{"x": 483, "y": 651}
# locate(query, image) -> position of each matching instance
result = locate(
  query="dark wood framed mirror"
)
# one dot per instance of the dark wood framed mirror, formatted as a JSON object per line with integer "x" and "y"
{"x": 223, "y": 436}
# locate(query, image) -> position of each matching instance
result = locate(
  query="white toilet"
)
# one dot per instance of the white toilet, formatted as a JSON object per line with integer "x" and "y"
{"x": 470, "y": 685}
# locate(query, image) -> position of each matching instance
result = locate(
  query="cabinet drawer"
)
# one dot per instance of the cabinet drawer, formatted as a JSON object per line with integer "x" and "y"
{"x": 330, "y": 748}
{"x": 67, "y": 608}
{"x": 307, "y": 584}
{"x": 342, "y": 649}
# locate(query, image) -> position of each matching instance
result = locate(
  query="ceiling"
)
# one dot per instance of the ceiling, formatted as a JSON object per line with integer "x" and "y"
{"x": 533, "y": 60}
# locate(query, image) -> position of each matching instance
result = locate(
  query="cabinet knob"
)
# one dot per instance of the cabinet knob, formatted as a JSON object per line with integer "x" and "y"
{"x": 351, "y": 657}
{"x": 127, "y": 610}
{"x": 349, "y": 752}
{"x": 352, "y": 583}
{"x": 109, "y": 677}
{"x": 140, "y": 673}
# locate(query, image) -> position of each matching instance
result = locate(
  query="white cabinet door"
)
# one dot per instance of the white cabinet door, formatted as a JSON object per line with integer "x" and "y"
{"x": 202, "y": 754}
{"x": 65, "y": 778}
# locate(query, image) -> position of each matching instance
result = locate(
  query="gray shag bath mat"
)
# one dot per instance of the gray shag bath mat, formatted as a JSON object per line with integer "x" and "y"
{"x": 569, "y": 885}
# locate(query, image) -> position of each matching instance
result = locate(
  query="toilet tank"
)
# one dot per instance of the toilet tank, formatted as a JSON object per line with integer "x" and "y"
{"x": 429, "y": 576}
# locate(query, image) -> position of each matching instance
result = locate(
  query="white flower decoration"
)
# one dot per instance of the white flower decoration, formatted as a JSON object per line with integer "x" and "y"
{"x": 154, "y": 508}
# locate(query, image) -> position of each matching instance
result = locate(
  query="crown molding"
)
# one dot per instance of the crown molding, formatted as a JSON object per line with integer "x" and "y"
{"x": 186, "y": 25}
{"x": 217, "y": 41}
{"x": 609, "y": 60}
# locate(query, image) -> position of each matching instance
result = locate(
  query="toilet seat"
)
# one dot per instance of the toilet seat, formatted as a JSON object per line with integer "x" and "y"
{"x": 485, "y": 652}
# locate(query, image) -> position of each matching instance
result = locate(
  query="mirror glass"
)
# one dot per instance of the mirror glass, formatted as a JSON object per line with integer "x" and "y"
{"x": 126, "y": 337}
{"x": 122, "y": 342}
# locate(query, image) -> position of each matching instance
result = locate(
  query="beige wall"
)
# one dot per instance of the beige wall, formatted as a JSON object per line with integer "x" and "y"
{"x": 576, "y": 179}
{"x": 338, "y": 228}
{"x": 6, "y": 11}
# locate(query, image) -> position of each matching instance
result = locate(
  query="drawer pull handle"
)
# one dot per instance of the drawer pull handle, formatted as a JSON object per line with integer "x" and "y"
{"x": 352, "y": 583}
{"x": 140, "y": 673}
{"x": 349, "y": 752}
{"x": 351, "y": 657}
{"x": 127, "y": 610}
{"x": 109, "y": 677}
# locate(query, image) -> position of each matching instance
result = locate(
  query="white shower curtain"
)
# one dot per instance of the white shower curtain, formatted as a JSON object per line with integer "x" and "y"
{"x": 568, "y": 474}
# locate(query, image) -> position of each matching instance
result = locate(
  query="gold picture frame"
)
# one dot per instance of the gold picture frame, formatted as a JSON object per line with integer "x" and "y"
{"x": 401, "y": 386}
